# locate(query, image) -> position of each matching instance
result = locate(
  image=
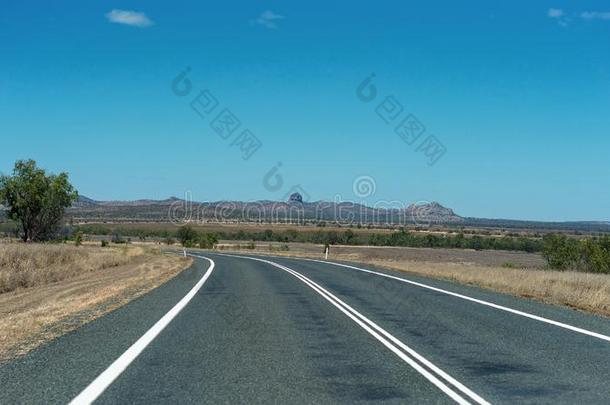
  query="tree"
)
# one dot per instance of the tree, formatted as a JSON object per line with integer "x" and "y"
{"x": 595, "y": 254}
{"x": 36, "y": 200}
{"x": 207, "y": 241}
{"x": 348, "y": 236}
{"x": 187, "y": 236}
{"x": 560, "y": 252}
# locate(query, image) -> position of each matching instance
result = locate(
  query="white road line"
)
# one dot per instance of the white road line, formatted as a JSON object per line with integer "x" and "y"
{"x": 385, "y": 338}
{"x": 103, "y": 381}
{"x": 478, "y": 301}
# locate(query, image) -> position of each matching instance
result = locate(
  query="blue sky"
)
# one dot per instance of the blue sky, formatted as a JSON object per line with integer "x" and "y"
{"x": 517, "y": 93}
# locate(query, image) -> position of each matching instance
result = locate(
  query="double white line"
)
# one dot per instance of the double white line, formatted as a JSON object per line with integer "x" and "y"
{"x": 443, "y": 381}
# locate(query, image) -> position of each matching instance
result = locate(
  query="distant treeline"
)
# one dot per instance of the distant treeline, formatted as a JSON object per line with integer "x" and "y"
{"x": 560, "y": 251}
{"x": 583, "y": 227}
{"x": 400, "y": 238}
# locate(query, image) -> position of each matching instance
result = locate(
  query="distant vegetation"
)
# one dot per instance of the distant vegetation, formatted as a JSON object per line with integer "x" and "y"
{"x": 189, "y": 237}
{"x": 400, "y": 238}
{"x": 590, "y": 254}
{"x": 561, "y": 252}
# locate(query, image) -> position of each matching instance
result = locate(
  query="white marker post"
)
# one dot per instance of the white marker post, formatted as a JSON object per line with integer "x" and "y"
{"x": 184, "y": 251}
{"x": 326, "y": 253}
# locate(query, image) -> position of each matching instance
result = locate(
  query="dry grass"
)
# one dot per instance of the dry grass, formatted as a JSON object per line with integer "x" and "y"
{"x": 31, "y": 265}
{"x": 67, "y": 286}
{"x": 588, "y": 292}
{"x": 583, "y": 291}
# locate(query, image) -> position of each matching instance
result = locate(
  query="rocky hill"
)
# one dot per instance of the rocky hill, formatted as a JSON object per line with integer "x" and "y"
{"x": 295, "y": 210}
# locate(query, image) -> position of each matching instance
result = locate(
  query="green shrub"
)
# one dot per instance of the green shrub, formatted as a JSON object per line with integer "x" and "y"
{"x": 595, "y": 255}
{"x": 78, "y": 239}
{"x": 117, "y": 238}
{"x": 590, "y": 254}
{"x": 281, "y": 248}
{"x": 187, "y": 236}
{"x": 207, "y": 241}
{"x": 560, "y": 252}
{"x": 104, "y": 243}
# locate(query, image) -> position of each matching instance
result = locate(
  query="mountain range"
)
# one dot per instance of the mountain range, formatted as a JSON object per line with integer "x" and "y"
{"x": 294, "y": 210}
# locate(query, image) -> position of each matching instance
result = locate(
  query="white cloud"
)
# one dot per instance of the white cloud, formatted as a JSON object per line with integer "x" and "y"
{"x": 555, "y": 13}
{"x": 127, "y": 17}
{"x": 558, "y": 15}
{"x": 268, "y": 19}
{"x": 595, "y": 15}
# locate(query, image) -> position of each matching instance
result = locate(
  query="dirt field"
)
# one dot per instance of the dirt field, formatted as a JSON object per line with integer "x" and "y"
{"x": 465, "y": 256}
{"x": 64, "y": 287}
{"x": 526, "y": 275}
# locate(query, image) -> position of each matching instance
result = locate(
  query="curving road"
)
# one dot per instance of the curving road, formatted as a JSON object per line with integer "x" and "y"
{"x": 237, "y": 329}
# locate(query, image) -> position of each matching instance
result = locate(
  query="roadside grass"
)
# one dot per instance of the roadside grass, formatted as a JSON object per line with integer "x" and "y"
{"x": 511, "y": 265}
{"x": 49, "y": 290}
{"x": 30, "y": 265}
{"x": 583, "y": 291}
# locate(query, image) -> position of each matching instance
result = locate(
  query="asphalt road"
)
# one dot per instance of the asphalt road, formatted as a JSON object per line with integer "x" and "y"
{"x": 277, "y": 330}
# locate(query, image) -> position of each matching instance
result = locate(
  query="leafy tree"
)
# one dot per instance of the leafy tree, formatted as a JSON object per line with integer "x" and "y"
{"x": 348, "y": 236}
{"x": 291, "y": 235}
{"x": 459, "y": 240}
{"x": 477, "y": 243}
{"x": 595, "y": 254}
{"x": 207, "y": 241}
{"x": 36, "y": 200}
{"x": 267, "y": 234}
{"x": 560, "y": 252}
{"x": 187, "y": 236}
{"x": 332, "y": 238}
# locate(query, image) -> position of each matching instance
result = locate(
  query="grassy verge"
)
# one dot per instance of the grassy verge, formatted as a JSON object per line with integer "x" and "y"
{"x": 33, "y": 265}
{"x": 48, "y": 290}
